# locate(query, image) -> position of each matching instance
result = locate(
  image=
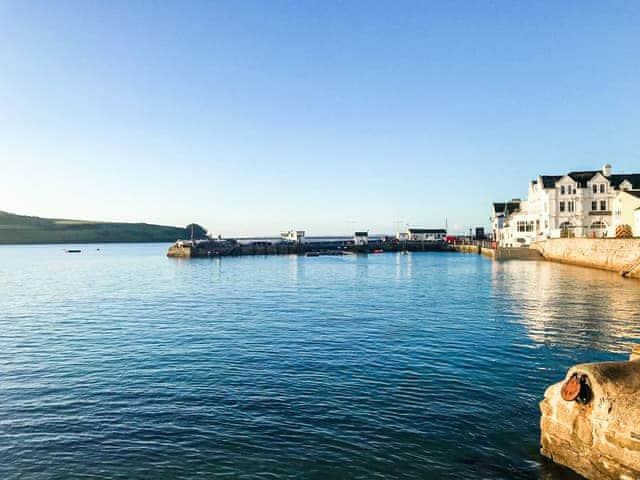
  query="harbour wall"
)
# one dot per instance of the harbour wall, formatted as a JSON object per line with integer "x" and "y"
{"x": 231, "y": 247}
{"x": 501, "y": 253}
{"x": 517, "y": 253}
{"x": 468, "y": 248}
{"x": 615, "y": 254}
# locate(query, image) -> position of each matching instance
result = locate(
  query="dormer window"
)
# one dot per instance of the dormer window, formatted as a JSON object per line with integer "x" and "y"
{"x": 561, "y": 189}
{"x": 602, "y": 186}
{"x": 595, "y": 188}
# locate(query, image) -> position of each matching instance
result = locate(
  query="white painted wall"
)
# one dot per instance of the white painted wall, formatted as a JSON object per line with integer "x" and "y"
{"x": 544, "y": 205}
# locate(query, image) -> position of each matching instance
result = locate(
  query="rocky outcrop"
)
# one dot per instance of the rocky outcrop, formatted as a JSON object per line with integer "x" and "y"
{"x": 591, "y": 421}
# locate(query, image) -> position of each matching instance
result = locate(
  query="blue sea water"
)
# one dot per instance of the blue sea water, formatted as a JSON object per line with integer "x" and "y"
{"x": 122, "y": 363}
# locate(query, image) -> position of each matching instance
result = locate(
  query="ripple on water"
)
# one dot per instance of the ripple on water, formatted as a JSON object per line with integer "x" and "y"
{"x": 125, "y": 364}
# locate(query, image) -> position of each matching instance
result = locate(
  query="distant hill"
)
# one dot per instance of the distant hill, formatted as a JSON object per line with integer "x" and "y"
{"x": 24, "y": 229}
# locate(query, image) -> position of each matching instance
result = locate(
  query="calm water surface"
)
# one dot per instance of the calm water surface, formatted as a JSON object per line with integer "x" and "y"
{"x": 121, "y": 363}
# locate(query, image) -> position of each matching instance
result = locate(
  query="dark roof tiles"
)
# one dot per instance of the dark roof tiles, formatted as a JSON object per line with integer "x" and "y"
{"x": 633, "y": 178}
{"x": 501, "y": 207}
{"x": 635, "y": 193}
{"x": 581, "y": 178}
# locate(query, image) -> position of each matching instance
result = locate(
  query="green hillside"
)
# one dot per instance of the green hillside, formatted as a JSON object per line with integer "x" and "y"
{"x": 24, "y": 229}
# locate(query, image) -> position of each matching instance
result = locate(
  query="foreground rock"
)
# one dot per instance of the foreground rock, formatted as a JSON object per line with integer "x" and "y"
{"x": 591, "y": 421}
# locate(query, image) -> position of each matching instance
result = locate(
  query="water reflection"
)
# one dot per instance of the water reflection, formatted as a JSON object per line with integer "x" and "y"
{"x": 568, "y": 305}
{"x": 426, "y": 365}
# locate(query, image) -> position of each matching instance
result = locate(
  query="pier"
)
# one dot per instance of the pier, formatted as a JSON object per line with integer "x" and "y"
{"x": 311, "y": 246}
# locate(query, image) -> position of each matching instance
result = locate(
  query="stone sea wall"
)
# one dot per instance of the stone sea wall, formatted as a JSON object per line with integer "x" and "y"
{"x": 501, "y": 253}
{"x": 613, "y": 254}
{"x": 519, "y": 253}
{"x": 590, "y": 422}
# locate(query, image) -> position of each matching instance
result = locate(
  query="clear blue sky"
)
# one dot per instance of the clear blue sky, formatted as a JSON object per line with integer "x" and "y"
{"x": 253, "y": 117}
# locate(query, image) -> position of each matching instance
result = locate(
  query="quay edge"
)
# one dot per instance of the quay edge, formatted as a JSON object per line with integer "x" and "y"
{"x": 590, "y": 422}
{"x": 613, "y": 254}
{"x": 500, "y": 253}
{"x": 231, "y": 247}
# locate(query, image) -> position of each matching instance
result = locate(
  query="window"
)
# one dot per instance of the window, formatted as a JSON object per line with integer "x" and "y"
{"x": 602, "y": 188}
{"x": 595, "y": 188}
{"x": 594, "y": 205}
{"x": 603, "y": 205}
{"x": 524, "y": 226}
{"x": 562, "y": 190}
{"x": 562, "y": 206}
{"x": 574, "y": 190}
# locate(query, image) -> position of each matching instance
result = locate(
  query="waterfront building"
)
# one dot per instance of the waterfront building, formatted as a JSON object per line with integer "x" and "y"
{"x": 626, "y": 206}
{"x": 361, "y": 239}
{"x": 500, "y": 212}
{"x": 577, "y": 204}
{"x": 296, "y": 236}
{"x": 426, "y": 234}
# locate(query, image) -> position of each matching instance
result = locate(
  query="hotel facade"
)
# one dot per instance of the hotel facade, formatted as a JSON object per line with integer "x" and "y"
{"x": 578, "y": 204}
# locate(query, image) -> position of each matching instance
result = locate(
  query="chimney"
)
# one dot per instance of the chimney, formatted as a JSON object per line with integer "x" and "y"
{"x": 606, "y": 170}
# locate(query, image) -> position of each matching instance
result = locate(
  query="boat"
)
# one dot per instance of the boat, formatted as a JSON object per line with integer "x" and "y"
{"x": 312, "y": 254}
{"x": 71, "y": 251}
{"x": 378, "y": 250}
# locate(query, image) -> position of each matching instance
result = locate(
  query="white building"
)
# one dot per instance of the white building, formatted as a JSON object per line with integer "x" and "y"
{"x": 625, "y": 210}
{"x": 576, "y": 204}
{"x": 361, "y": 239}
{"x": 296, "y": 236}
{"x": 501, "y": 211}
{"x": 426, "y": 234}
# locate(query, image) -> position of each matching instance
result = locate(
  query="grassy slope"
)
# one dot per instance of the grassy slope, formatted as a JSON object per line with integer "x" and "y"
{"x": 24, "y": 229}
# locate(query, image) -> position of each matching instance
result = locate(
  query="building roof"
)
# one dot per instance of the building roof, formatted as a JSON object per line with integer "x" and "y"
{"x": 633, "y": 178}
{"x": 427, "y": 230}
{"x": 504, "y": 207}
{"x": 549, "y": 181}
{"x": 635, "y": 193}
{"x": 581, "y": 178}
